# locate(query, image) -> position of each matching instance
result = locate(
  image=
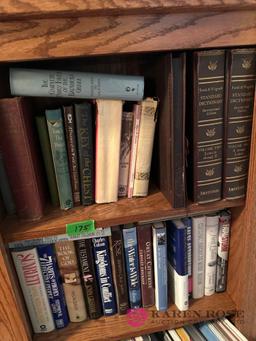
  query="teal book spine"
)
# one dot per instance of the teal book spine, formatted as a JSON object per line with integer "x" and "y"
{"x": 59, "y": 156}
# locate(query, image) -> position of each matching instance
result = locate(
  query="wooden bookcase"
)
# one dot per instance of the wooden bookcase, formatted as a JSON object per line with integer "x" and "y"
{"x": 38, "y": 30}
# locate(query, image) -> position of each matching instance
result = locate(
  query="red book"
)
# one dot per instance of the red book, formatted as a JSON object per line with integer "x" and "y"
{"x": 19, "y": 145}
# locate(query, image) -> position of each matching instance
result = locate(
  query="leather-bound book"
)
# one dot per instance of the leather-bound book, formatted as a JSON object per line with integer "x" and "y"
{"x": 207, "y": 129}
{"x": 240, "y": 87}
{"x": 19, "y": 147}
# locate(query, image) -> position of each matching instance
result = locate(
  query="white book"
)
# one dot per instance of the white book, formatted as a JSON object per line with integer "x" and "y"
{"x": 73, "y": 84}
{"x": 217, "y": 332}
{"x": 233, "y": 328}
{"x": 211, "y": 247}
{"x": 198, "y": 251}
{"x": 32, "y": 284}
{"x": 226, "y": 331}
{"x": 174, "y": 336}
{"x": 108, "y": 138}
{"x": 178, "y": 288}
{"x": 145, "y": 147}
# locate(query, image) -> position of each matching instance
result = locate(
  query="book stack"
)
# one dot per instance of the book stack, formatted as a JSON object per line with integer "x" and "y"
{"x": 139, "y": 265}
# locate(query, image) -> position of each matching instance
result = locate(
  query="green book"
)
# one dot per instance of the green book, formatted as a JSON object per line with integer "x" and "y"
{"x": 59, "y": 156}
{"x": 47, "y": 157}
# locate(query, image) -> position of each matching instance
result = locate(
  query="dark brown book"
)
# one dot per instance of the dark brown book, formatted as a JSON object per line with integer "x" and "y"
{"x": 240, "y": 87}
{"x": 70, "y": 131}
{"x": 20, "y": 150}
{"x": 91, "y": 289}
{"x": 118, "y": 268}
{"x": 206, "y": 138}
{"x": 171, "y": 127}
{"x": 144, "y": 235}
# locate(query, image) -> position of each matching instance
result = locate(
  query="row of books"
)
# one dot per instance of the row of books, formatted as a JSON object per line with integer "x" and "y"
{"x": 215, "y": 330}
{"x": 139, "y": 265}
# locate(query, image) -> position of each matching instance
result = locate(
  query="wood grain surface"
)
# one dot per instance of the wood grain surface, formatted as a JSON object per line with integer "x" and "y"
{"x": 66, "y": 37}
{"x": 117, "y": 328}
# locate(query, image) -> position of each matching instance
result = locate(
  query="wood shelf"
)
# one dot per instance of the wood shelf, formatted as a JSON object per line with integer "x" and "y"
{"x": 205, "y": 308}
{"x": 153, "y": 207}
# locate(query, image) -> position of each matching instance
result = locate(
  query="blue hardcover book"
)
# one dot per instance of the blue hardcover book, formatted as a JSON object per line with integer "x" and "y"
{"x": 132, "y": 266}
{"x": 206, "y": 331}
{"x": 160, "y": 265}
{"x": 188, "y": 224}
{"x": 104, "y": 275}
{"x": 54, "y": 289}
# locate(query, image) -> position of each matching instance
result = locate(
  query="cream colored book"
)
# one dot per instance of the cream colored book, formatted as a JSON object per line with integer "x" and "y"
{"x": 145, "y": 147}
{"x": 108, "y": 139}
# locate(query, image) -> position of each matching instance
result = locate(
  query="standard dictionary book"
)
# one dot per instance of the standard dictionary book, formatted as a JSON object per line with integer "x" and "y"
{"x": 73, "y": 84}
{"x": 32, "y": 284}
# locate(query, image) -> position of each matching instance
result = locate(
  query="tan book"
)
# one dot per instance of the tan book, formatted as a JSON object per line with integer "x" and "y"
{"x": 69, "y": 270}
{"x": 108, "y": 138}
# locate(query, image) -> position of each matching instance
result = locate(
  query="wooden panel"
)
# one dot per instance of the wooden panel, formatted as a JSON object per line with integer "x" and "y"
{"x": 13, "y": 324}
{"x": 153, "y": 207}
{"x": 102, "y": 329}
{"x": 49, "y": 38}
{"x": 34, "y": 8}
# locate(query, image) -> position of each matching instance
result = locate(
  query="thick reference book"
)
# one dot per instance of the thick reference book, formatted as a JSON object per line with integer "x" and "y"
{"x": 19, "y": 148}
{"x": 222, "y": 252}
{"x": 71, "y": 138}
{"x": 53, "y": 285}
{"x": 118, "y": 267}
{"x": 104, "y": 274}
{"x": 69, "y": 270}
{"x": 85, "y": 256}
{"x": 125, "y": 152}
{"x": 145, "y": 249}
{"x": 177, "y": 262}
{"x": 160, "y": 265}
{"x": 32, "y": 284}
{"x": 44, "y": 140}
{"x": 84, "y": 128}
{"x": 188, "y": 223}
{"x": 145, "y": 147}
{"x": 108, "y": 138}
{"x": 198, "y": 256}
{"x": 206, "y": 142}
{"x": 240, "y": 90}
{"x": 73, "y": 84}
{"x": 132, "y": 265}
{"x": 59, "y": 156}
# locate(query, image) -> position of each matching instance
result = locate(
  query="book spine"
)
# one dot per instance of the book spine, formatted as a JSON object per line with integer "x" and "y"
{"x": 70, "y": 130}
{"x": 189, "y": 255}
{"x": 132, "y": 266}
{"x": 145, "y": 147}
{"x": 68, "y": 265}
{"x": 211, "y": 240}
{"x": 87, "y": 268}
{"x": 240, "y": 87}
{"x": 47, "y": 157}
{"x": 118, "y": 268}
{"x": 71, "y": 84}
{"x": 32, "y": 284}
{"x": 83, "y": 112}
{"x": 208, "y": 107}
{"x": 135, "y": 137}
{"x": 59, "y": 155}
{"x": 223, "y": 248}
{"x": 125, "y": 152}
{"x": 5, "y": 189}
{"x": 160, "y": 266}
{"x": 54, "y": 289}
{"x": 145, "y": 248}
{"x": 104, "y": 273}
{"x": 198, "y": 256}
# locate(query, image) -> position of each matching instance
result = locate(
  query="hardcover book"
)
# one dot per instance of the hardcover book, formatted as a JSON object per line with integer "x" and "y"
{"x": 104, "y": 274}
{"x": 54, "y": 289}
{"x": 188, "y": 224}
{"x": 59, "y": 156}
{"x": 84, "y": 250}
{"x": 118, "y": 267}
{"x": 69, "y": 270}
{"x": 84, "y": 126}
{"x": 32, "y": 284}
{"x": 132, "y": 265}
